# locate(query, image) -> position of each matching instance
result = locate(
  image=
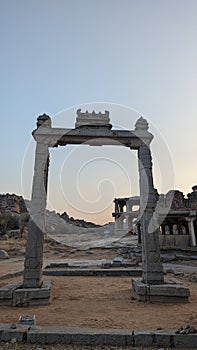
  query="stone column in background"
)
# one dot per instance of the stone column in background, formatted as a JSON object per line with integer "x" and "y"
{"x": 190, "y": 221}
{"x": 129, "y": 216}
{"x": 119, "y": 223}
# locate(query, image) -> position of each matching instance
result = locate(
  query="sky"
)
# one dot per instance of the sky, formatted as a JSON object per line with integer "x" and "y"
{"x": 127, "y": 56}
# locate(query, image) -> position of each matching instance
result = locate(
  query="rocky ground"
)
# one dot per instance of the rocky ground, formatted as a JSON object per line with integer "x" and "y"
{"x": 97, "y": 302}
{"x": 10, "y": 346}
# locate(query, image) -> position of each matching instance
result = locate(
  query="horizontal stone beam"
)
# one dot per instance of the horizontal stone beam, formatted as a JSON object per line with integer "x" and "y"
{"x": 92, "y": 136}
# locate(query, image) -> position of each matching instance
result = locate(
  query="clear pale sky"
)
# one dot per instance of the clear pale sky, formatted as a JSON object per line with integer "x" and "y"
{"x": 126, "y": 55}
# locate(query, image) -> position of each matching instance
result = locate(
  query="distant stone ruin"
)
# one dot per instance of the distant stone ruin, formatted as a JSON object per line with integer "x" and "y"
{"x": 176, "y": 218}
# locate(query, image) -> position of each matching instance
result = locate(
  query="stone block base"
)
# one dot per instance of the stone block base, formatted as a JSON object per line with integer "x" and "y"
{"x": 14, "y": 294}
{"x": 171, "y": 291}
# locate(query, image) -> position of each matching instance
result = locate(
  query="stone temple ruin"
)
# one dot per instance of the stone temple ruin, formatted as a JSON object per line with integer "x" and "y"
{"x": 176, "y": 216}
{"x": 95, "y": 130}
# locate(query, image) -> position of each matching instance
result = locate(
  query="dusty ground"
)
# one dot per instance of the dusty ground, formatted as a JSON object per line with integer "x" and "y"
{"x": 105, "y": 302}
{"x": 98, "y": 302}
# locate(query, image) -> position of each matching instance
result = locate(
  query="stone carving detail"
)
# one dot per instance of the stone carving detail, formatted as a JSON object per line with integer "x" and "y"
{"x": 151, "y": 262}
{"x": 192, "y": 198}
{"x": 141, "y": 124}
{"x": 44, "y": 120}
{"x": 92, "y": 119}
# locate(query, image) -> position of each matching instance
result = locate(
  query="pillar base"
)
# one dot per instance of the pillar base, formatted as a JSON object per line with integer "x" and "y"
{"x": 14, "y": 294}
{"x": 171, "y": 291}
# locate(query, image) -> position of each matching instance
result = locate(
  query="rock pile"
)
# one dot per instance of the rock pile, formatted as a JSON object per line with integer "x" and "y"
{"x": 186, "y": 330}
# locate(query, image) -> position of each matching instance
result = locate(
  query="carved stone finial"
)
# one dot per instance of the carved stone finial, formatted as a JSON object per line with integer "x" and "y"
{"x": 44, "y": 120}
{"x": 141, "y": 124}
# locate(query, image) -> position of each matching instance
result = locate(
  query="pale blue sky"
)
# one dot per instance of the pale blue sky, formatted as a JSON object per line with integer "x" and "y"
{"x": 56, "y": 54}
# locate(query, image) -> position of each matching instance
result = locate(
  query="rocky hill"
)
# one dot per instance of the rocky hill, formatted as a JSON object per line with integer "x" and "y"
{"x": 78, "y": 222}
{"x": 61, "y": 228}
{"x": 12, "y": 204}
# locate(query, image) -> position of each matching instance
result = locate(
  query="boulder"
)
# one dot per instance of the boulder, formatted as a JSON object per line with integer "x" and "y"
{"x": 3, "y": 254}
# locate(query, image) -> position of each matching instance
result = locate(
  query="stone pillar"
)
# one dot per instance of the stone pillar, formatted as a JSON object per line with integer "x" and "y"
{"x": 119, "y": 222}
{"x": 32, "y": 277}
{"x": 129, "y": 217}
{"x": 152, "y": 270}
{"x": 129, "y": 222}
{"x": 190, "y": 221}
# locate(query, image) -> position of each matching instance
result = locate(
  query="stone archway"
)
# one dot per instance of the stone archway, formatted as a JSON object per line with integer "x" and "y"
{"x": 88, "y": 128}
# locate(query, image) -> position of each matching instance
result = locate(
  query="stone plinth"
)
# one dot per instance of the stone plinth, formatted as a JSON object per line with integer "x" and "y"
{"x": 171, "y": 291}
{"x": 14, "y": 294}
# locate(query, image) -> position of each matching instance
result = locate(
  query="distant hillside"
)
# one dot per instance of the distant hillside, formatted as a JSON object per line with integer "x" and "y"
{"x": 78, "y": 222}
{"x": 55, "y": 224}
{"x": 72, "y": 232}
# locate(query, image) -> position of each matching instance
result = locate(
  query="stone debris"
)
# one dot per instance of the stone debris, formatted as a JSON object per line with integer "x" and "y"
{"x": 186, "y": 330}
{"x": 13, "y": 326}
{"x": 190, "y": 277}
{"x": 13, "y": 340}
{"x": 3, "y": 254}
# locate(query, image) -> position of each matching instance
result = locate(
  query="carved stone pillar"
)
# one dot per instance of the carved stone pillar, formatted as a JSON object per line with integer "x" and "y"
{"x": 151, "y": 261}
{"x": 190, "y": 221}
{"x": 32, "y": 277}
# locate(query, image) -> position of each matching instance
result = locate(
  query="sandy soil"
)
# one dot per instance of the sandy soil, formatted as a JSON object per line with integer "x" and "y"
{"x": 105, "y": 302}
